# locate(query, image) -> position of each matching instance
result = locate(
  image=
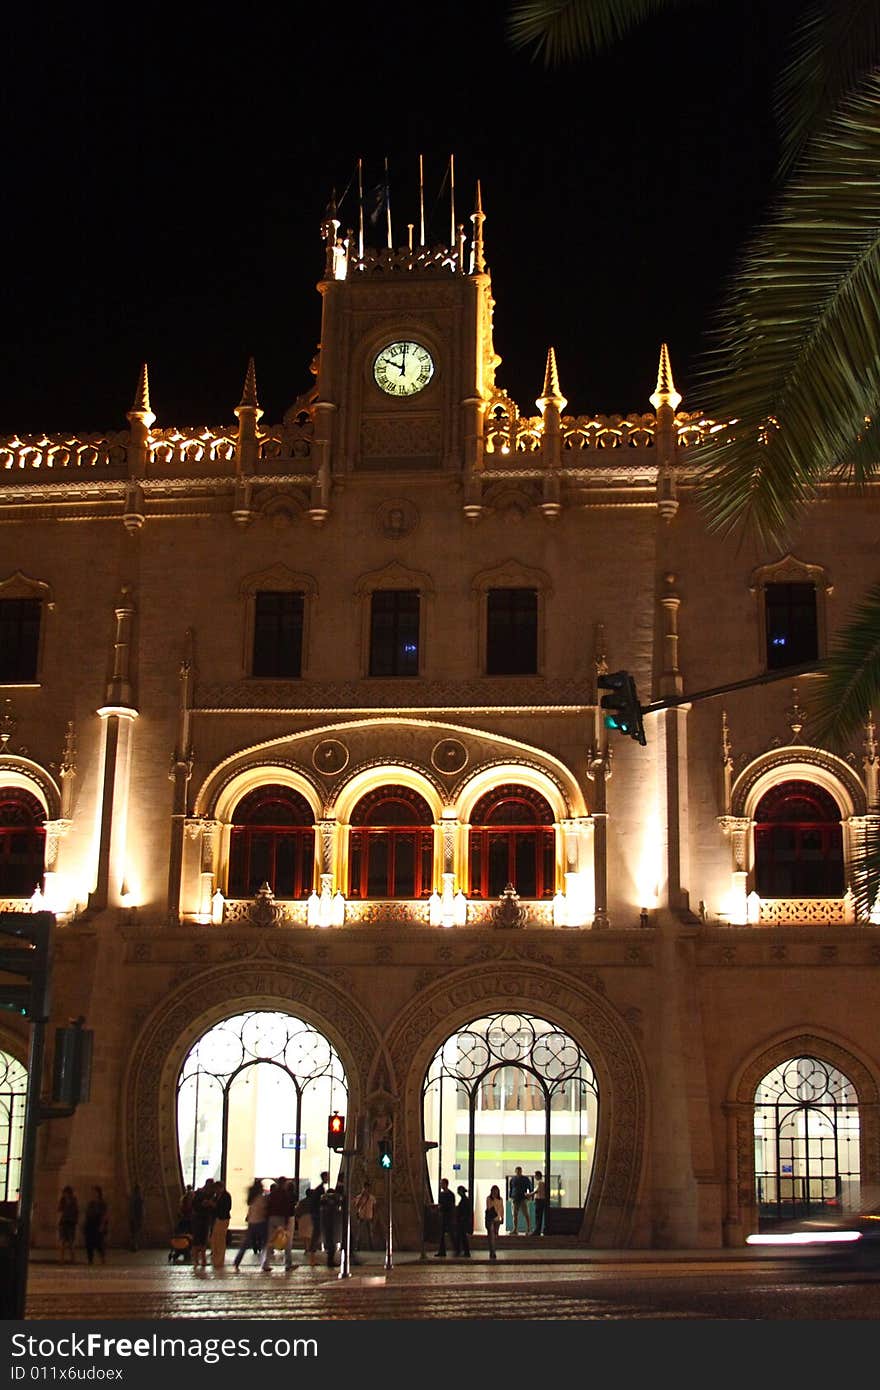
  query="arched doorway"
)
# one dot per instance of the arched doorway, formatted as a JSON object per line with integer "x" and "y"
{"x": 512, "y": 840}
{"x": 798, "y": 843}
{"x": 272, "y": 841}
{"x": 13, "y": 1098}
{"x": 807, "y": 1141}
{"x": 391, "y": 845}
{"x": 22, "y": 843}
{"x": 512, "y": 1090}
{"x": 253, "y": 1097}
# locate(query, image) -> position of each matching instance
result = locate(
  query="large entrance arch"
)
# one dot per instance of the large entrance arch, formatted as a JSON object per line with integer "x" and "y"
{"x": 265, "y": 983}
{"x": 253, "y": 1097}
{"x": 804, "y": 1085}
{"x": 612, "y": 1215}
{"x": 512, "y": 1090}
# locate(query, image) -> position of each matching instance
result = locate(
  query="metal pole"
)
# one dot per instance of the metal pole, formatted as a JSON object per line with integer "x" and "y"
{"x": 345, "y": 1253}
{"x": 389, "y": 1258}
{"x": 807, "y": 669}
{"x": 28, "y": 1161}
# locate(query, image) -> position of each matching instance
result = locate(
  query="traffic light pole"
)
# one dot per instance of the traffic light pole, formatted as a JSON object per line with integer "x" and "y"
{"x": 32, "y": 1119}
{"x": 389, "y": 1255}
{"x": 807, "y": 669}
{"x": 345, "y": 1252}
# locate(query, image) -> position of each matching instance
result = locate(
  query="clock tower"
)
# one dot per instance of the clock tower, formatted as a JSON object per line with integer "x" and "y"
{"x": 406, "y": 363}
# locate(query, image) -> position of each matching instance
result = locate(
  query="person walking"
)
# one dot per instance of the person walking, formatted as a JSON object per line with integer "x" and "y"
{"x": 446, "y": 1203}
{"x": 184, "y": 1213}
{"x": 135, "y": 1217}
{"x": 202, "y": 1214}
{"x": 220, "y": 1227}
{"x": 365, "y": 1212}
{"x": 95, "y": 1227}
{"x": 464, "y": 1223}
{"x": 540, "y": 1203}
{"x": 68, "y": 1220}
{"x": 493, "y": 1218}
{"x": 314, "y": 1197}
{"x": 277, "y": 1213}
{"x": 520, "y": 1187}
{"x": 254, "y": 1237}
{"x": 331, "y": 1205}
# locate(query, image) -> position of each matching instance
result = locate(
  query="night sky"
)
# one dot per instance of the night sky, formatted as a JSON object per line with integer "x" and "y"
{"x": 166, "y": 172}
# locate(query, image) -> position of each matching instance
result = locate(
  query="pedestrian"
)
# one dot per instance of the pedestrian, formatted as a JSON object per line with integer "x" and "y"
{"x": 280, "y": 1220}
{"x": 95, "y": 1227}
{"x": 183, "y": 1226}
{"x": 331, "y": 1205}
{"x": 220, "y": 1226}
{"x": 446, "y": 1203}
{"x": 464, "y": 1223}
{"x": 494, "y": 1218}
{"x": 520, "y": 1187}
{"x": 135, "y": 1217}
{"x": 202, "y": 1215}
{"x": 540, "y": 1203}
{"x": 68, "y": 1220}
{"x": 365, "y": 1212}
{"x": 314, "y": 1197}
{"x": 254, "y": 1237}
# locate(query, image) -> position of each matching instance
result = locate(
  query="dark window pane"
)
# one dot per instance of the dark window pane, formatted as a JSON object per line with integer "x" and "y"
{"x": 377, "y": 870}
{"x": 512, "y": 632}
{"x": 285, "y": 867}
{"x": 404, "y": 885}
{"x": 394, "y": 632}
{"x": 525, "y": 879}
{"x": 19, "y": 639}
{"x": 278, "y": 627}
{"x": 499, "y": 864}
{"x": 792, "y": 633}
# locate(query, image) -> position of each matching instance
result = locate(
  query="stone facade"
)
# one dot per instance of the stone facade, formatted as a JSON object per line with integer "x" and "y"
{"x": 143, "y": 728}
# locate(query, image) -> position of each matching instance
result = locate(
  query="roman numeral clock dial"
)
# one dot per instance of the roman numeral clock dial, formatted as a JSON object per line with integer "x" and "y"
{"x": 403, "y": 369}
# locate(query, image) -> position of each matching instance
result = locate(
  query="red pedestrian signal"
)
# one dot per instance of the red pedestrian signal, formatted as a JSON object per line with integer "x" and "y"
{"x": 336, "y": 1131}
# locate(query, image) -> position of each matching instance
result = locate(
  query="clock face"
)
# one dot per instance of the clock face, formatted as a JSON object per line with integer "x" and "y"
{"x": 403, "y": 369}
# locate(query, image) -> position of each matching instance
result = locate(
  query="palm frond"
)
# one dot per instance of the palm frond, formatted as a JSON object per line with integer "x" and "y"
{"x": 795, "y": 358}
{"x": 563, "y": 31}
{"x": 836, "y": 43}
{"x": 865, "y": 871}
{"x": 850, "y": 683}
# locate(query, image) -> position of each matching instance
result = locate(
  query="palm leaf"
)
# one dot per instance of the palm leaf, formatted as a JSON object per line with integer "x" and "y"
{"x": 562, "y": 31}
{"x": 864, "y": 871}
{"x": 836, "y": 43}
{"x": 850, "y": 676}
{"x": 795, "y": 358}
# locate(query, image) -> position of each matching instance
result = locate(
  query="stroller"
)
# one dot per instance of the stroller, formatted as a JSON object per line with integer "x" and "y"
{"x": 179, "y": 1247}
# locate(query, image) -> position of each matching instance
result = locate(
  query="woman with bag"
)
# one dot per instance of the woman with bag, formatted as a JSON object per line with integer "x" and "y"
{"x": 494, "y": 1218}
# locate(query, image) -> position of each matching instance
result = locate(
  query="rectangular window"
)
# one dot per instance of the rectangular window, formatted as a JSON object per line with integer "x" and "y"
{"x": 19, "y": 639}
{"x": 278, "y": 634}
{"x": 512, "y": 632}
{"x": 792, "y": 630}
{"x": 394, "y": 632}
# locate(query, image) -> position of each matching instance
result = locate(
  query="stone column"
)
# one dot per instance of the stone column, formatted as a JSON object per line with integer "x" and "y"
{"x": 118, "y": 716}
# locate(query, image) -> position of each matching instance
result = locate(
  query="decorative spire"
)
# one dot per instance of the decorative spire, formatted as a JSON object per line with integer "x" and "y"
{"x": 478, "y": 217}
{"x": 141, "y": 408}
{"x": 665, "y": 392}
{"x": 249, "y": 390}
{"x": 552, "y": 393}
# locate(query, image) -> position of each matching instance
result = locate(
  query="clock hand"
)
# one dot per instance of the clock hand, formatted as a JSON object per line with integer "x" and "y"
{"x": 403, "y": 361}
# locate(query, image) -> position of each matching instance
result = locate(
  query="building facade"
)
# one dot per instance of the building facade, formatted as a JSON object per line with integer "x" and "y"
{"x": 301, "y": 741}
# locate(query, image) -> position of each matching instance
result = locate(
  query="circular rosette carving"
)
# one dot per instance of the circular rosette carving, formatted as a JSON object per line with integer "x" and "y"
{"x": 449, "y": 755}
{"x": 330, "y": 756}
{"x": 396, "y": 518}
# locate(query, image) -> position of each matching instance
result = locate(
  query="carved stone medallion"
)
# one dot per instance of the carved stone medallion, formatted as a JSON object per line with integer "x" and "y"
{"x": 330, "y": 756}
{"x": 396, "y": 518}
{"x": 449, "y": 755}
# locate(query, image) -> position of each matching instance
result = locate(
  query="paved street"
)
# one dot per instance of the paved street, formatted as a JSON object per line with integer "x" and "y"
{"x": 608, "y": 1285}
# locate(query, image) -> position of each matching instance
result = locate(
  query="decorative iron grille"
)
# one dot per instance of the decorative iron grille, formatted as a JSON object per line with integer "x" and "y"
{"x": 13, "y": 1097}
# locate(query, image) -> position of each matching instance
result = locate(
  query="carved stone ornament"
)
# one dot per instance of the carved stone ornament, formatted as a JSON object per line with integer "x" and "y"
{"x": 509, "y": 911}
{"x": 396, "y": 518}
{"x": 449, "y": 755}
{"x": 265, "y": 912}
{"x": 330, "y": 756}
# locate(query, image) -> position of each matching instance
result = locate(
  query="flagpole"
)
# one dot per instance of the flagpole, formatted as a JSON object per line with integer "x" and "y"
{"x": 452, "y": 201}
{"x": 388, "y": 203}
{"x": 360, "y": 209}
{"x": 421, "y": 202}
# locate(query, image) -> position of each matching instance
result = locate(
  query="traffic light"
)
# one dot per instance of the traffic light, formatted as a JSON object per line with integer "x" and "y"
{"x": 336, "y": 1131}
{"x": 27, "y": 955}
{"x": 72, "y": 1072}
{"x": 386, "y": 1158}
{"x": 622, "y": 704}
